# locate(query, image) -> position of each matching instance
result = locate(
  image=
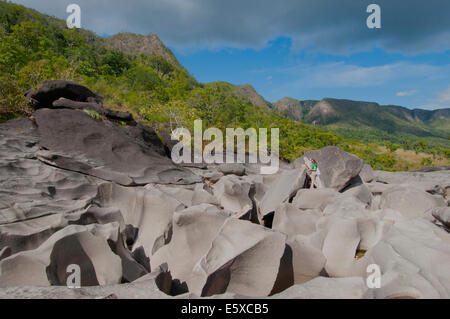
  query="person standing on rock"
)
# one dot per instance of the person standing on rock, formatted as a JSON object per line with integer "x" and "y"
{"x": 315, "y": 174}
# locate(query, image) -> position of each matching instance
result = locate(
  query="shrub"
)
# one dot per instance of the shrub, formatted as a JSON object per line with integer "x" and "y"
{"x": 94, "y": 114}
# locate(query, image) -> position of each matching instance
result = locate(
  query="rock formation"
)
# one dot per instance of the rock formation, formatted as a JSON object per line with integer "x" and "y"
{"x": 98, "y": 190}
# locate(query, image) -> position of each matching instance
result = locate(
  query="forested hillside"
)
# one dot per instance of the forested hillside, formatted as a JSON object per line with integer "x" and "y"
{"x": 372, "y": 122}
{"x": 149, "y": 82}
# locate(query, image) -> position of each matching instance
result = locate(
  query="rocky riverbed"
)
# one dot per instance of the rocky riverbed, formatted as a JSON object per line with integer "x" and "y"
{"x": 104, "y": 194}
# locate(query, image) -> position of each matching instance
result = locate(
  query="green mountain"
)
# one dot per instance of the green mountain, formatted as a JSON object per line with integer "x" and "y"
{"x": 370, "y": 121}
{"x": 135, "y": 44}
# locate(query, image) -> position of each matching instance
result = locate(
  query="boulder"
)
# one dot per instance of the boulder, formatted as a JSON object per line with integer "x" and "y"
{"x": 30, "y": 189}
{"x": 358, "y": 189}
{"x": 30, "y": 234}
{"x": 327, "y": 288}
{"x": 283, "y": 188}
{"x": 314, "y": 198}
{"x": 292, "y": 221}
{"x": 233, "y": 194}
{"x": 367, "y": 174}
{"x": 377, "y": 188}
{"x": 414, "y": 259}
{"x": 193, "y": 231}
{"x": 188, "y": 197}
{"x": 409, "y": 201}
{"x": 340, "y": 248}
{"x": 416, "y": 178}
{"x": 51, "y": 91}
{"x": 442, "y": 214}
{"x": 213, "y": 176}
{"x": 346, "y": 207}
{"x": 85, "y": 246}
{"x": 92, "y": 106}
{"x": 152, "y": 286}
{"x": 232, "y": 169}
{"x": 148, "y": 209}
{"x": 308, "y": 261}
{"x": 337, "y": 168}
{"x": 125, "y": 155}
{"x": 244, "y": 258}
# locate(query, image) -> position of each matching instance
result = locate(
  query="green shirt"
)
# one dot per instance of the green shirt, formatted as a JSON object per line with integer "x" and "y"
{"x": 314, "y": 167}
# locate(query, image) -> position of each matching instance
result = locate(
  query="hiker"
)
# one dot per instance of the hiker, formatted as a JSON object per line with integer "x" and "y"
{"x": 315, "y": 174}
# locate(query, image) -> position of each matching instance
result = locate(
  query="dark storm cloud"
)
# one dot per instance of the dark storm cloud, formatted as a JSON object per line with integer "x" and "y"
{"x": 335, "y": 26}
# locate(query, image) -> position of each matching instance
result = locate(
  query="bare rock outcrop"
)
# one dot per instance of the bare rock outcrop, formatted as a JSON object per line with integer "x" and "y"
{"x": 98, "y": 190}
{"x": 47, "y": 265}
{"x": 244, "y": 258}
{"x": 409, "y": 201}
{"x": 337, "y": 168}
{"x": 233, "y": 194}
{"x": 283, "y": 188}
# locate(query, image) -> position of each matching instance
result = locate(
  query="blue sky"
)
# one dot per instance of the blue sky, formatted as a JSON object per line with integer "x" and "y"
{"x": 305, "y": 49}
{"x": 277, "y": 71}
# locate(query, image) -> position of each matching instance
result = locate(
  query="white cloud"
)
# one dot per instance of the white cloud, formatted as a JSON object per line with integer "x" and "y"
{"x": 344, "y": 75}
{"x": 443, "y": 98}
{"x": 407, "y": 93}
{"x": 326, "y": 25}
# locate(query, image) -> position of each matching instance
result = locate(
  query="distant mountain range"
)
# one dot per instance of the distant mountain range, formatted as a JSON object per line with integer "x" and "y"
{"x": 368, "y": 121}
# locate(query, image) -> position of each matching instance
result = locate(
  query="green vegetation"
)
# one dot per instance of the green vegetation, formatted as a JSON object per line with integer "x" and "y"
{"x": 95, "y": 115}
{"x": 159, "y": 92}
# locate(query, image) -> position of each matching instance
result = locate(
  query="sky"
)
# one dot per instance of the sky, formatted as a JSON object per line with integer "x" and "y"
{"x": 305, "y": 49}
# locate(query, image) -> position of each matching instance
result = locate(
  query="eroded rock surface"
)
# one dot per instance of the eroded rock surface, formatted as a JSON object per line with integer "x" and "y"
{"x": 102, "y": 193}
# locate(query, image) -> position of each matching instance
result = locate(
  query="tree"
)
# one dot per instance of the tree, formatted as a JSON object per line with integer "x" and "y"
{"x": 27, "y": 42}
{"x": 420, "y": 146}
{"x": 392, "y": 147}
{"x": 426, "y": 161}
{"x": 114, "y": 63}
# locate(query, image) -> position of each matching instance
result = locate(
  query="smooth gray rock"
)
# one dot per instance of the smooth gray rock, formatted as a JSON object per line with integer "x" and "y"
{"x": 307, "y": 260}
{"x": 284, "y": 187}
{"x": 232, "y": 169}
{"x": 30, "y": 189}
{"x": 233, "y": 194}
{"x": 152, "y": 286}
{"x": 47, "y": 264}
{"x": 30, "y": 234}
{"x": 148, "y": 209}
{"x": 194, "y": 229}
{"x": 126, "y": 155}
{"x": 337, "y": 167}
{"x": 358, "y": 189}
{"x": 314, "y": 198}
{"x": 244, "y": 258}
{"x": 416, "y": 178}
{"x": 292, "y": 221}
{"x": 367, "y": 173}
{"x": 327, "y": 288}
{"x": 414, "y": 258}
{"x": 442, "y": 214}
{"x": 409, "y": 201}
{"x": 340, "y": 246}
{"x": 188, "y": 197}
